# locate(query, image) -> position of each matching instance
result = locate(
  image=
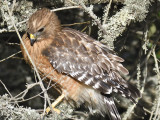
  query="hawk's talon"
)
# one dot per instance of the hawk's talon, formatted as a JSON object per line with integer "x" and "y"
{"x": 56, "y": 102}
{"x": 55, "y": 109}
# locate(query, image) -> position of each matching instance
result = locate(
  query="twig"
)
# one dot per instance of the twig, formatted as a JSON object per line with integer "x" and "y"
{"x": 23, "y": 100}
{"x": 13, "y": 44}
{"x": 14, "y": 2}
{"x": 106, "y": 12}
{"x": 6, "y": 88}
{"x": 65, "y": 8}
{"x": 24, "y": 21}
{"x": 129, "y": 111}
{"x": 23, "y": 93}
{"x": 10, "y": 56}
{"x": 29, "y": 86}
{"x": 158, "y": 76}
{"x": 143, "y": 61}
{"x": 88, "y": 22}
{"x": 3, "y": 30}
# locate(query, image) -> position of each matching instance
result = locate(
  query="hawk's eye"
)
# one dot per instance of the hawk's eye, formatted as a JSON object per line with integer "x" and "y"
{"x": 40, "y": 30}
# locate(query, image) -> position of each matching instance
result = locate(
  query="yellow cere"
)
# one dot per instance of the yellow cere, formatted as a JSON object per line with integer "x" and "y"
{"x": 32, "y": 36}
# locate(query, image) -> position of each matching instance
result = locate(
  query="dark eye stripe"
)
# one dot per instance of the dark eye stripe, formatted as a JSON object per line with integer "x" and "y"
{"x": 40, "y": 30}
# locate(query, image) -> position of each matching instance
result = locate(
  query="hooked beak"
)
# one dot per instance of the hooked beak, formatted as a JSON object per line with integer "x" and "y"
{"x": 32, "y": 39}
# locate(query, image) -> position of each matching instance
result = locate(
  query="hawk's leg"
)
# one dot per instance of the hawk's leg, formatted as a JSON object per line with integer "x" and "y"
{"x": 56, "y": 102}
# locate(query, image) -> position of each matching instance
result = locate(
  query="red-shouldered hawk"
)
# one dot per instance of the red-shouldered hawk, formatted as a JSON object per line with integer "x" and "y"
{"x": 86, "y": 70}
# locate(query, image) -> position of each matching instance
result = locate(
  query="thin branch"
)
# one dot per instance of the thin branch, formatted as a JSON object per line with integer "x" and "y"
{"x": 13, "y": 5}
{"x": 88, "y": 22}
{"x": 129, "y": 111}
{"x": 73, "y": 2}
{"x": 65, "y": 8}
{"x": 106, "y": 12}
{"x": 158, "y": 76}
{"x": 23, "y": 100}
{"x": 6, "y": 88}
{"x": 10, "y": 56}
{"x": 13, "y": 44}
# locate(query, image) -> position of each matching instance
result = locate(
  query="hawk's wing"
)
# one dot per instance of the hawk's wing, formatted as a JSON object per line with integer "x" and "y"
{"x": 90, "y": 62}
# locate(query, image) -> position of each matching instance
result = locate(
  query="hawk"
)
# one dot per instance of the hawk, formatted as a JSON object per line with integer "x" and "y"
{"x": 86, "y": 70}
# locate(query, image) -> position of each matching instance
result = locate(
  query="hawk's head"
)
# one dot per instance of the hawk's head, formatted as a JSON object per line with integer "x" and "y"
{"x": 42, "y": 24}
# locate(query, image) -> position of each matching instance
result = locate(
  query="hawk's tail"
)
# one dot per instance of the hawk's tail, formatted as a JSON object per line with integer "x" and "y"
{"x": 111, "y": 108}
{"x": 101, "y": 103}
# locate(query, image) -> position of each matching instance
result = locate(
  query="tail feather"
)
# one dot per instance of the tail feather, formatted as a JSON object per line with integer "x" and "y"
{"x": 102, "y": 103}
{"x": 135, "y": 93}
{"x": 112, "y": 109}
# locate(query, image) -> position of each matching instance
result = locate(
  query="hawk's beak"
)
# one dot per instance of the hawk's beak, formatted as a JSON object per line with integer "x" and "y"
{"x": 32, "y": 39}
